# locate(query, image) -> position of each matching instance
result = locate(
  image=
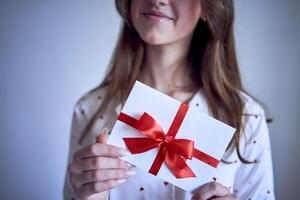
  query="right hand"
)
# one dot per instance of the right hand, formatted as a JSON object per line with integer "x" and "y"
{"x": 98, "y": 168}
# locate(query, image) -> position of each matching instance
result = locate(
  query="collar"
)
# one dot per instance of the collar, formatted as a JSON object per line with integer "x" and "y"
{"x": 198, "y": 101}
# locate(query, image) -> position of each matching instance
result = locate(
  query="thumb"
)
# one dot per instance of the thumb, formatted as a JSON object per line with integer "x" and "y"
{"x": 103, "y": 136}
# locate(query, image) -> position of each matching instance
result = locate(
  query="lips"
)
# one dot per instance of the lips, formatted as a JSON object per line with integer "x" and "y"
{"x": 157, "y": 14}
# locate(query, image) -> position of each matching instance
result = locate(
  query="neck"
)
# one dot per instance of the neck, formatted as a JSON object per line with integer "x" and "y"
{"x": 166, "y": 66}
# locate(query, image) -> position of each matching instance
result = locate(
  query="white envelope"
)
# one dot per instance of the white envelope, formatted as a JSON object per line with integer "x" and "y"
{"x": 209, "y": 135}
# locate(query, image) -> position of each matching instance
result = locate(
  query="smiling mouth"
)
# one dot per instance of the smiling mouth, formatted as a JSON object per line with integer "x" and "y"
{"x": 157, "y": 15}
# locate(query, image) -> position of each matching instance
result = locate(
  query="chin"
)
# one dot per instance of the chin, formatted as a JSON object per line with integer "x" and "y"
{"x": 153, "y": 39}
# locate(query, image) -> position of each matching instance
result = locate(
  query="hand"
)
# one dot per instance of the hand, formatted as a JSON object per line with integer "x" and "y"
{"x": 213, "y": 191}
{"x": 97, "y": 168}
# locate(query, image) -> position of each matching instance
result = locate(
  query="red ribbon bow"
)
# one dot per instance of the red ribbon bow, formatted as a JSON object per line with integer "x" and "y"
{"x": 173, "y": 151}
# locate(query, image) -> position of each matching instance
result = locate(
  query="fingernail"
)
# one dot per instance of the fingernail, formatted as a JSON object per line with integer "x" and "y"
{"x": 124, "y": 152}
{"x": 128, "y": 165}
{"x": 120, "y": 181}
{"x": 103, "y": 131}
{"x": 130, "y": 172}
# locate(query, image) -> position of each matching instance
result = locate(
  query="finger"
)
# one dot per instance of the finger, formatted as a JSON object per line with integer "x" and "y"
{"x": 228, "y": 197}
{"x": 103, "y": 136}
{"x": 211, "y": 190}
{"x": 103, "y": 175}
{"x": 98, "y": 187}
{"x": 96, "y": 163}
{"x": 100, "y": 149}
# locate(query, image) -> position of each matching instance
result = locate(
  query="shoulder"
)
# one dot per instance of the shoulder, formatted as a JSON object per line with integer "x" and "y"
{"x": 86, "y": 114}
{"x": 255, "y": 128}
{"x": 85, "y": 106}
{"x": 251, "y": 106}
{"x": 253, "y": 114}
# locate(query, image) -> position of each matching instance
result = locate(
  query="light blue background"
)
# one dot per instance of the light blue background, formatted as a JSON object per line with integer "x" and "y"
{"x": 51, "y": 52}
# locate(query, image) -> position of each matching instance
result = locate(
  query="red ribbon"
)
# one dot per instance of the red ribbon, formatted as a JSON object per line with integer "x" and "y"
{"x": 173, "y": 151}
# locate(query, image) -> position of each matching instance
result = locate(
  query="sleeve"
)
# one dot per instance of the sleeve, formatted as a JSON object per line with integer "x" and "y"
{"x": 76, "y": 129}
{"x": 255, "y": 180}
{"x": 77, "y": 125}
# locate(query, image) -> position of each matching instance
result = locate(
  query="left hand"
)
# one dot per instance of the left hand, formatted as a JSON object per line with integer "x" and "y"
{"x": 213, "y": 191}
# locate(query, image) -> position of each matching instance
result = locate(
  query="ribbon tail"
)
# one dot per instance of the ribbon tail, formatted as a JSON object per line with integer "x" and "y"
{"x": 140, "y": 145}
{"x": 177, "y": 165}
{"x": 200, "y": 155}
{"x": 158, "y": 161}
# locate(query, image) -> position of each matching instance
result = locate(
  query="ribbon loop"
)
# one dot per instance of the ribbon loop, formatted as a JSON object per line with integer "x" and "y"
{"x": 149, "y": 127}
{"x": 183, "y": 147}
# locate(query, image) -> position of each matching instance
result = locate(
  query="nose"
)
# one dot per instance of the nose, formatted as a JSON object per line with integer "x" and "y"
{"x": 159, "y": 2}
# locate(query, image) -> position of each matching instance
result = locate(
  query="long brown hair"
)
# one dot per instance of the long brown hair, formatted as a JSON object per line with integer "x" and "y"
{"x": 213, "y": 61}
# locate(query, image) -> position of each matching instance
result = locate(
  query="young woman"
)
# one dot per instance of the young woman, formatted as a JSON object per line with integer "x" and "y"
{"x": 186, "y": 50}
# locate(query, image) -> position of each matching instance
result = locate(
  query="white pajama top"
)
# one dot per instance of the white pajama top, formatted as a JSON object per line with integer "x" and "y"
{"x": 247, "y": 181}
